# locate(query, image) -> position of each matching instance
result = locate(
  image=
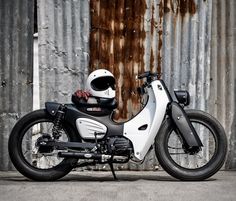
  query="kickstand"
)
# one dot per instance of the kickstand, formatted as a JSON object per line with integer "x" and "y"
{"x": 113, "y": 172}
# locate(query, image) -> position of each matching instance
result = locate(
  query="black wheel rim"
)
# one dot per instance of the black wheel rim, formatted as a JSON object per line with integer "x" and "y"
{"x": 29, "y": 150}
{"x": 203, "y": 158}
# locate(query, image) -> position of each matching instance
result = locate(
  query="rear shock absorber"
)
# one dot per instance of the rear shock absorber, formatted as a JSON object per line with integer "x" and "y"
{"x": 56, "y": 130}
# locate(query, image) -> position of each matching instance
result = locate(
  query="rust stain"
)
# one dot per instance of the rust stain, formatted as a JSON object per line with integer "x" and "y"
{"x": 166, "y": 8}
{"x": 187, "y": 6}
{"x": 159, "y": 57}
{"x": 180, "y": 7}
{"x": 152, "y": 20}
{"x": 161, "y": 15}
{"x": 116, "y": 43}
{"x": 156, "y": 28}
{"x": 153, "y": 26}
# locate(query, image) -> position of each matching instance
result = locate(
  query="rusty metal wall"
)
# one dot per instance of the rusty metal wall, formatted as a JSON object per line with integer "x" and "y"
{"x": 63, "y": 38}
{"x": 125, "y": 39}
{"x": 190, "y": 42}
{"x": 116, "y": 43}
{"x": 168, "y": 36}
{"x": 16, "y": 63}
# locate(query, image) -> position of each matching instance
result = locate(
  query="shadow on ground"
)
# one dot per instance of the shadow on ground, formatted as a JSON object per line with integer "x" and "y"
{"x": 95, "y": 176}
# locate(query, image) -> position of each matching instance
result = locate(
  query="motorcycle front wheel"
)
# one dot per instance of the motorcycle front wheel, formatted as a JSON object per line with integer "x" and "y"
{"x": 178, "y": 162}
{"x": 41, "y": 164}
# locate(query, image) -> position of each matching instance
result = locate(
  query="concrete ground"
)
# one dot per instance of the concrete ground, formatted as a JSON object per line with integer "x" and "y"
{"x": 145, "y": 186}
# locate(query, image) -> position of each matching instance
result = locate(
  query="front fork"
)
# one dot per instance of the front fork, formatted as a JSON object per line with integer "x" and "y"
{"x": 191, "y": 140}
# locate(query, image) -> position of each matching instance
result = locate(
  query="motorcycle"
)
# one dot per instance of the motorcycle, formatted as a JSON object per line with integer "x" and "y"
{"x": 189, "y": 144}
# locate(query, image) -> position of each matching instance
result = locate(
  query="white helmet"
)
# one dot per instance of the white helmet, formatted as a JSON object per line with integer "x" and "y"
{"x": 101, "y": 83}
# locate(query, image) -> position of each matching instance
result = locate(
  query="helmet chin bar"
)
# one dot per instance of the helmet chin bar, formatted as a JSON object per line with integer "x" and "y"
{"x": 109, "y": 93}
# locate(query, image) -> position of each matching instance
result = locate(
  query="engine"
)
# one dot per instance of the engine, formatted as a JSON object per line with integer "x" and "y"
{"x": 119, "y": 146}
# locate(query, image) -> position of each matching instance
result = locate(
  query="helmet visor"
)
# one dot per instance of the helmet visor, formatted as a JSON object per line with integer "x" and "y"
{"x": 103, "y": 83}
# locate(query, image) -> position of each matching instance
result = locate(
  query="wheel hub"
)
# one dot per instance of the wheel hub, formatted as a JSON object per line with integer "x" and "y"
{"x": 42, "y": 144}
{"x": 191, "y": 150}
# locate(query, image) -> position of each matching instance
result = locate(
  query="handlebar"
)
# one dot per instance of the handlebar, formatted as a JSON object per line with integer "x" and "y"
{"x": 149, "y": 75}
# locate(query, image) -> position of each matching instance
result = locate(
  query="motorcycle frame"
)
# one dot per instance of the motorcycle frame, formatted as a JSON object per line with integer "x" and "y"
{"x": 150, "y": 117}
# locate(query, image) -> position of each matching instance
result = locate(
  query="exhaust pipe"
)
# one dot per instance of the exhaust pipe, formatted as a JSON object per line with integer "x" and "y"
{"x": 101, "y": 157}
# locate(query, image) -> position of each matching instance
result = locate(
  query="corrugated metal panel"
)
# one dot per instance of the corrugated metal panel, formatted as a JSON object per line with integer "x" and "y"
{"x": 186, "y": 48}
{"x": 63, "y": 27}
{"x": 223, "y": 71}
{"x": 16, "y": 62}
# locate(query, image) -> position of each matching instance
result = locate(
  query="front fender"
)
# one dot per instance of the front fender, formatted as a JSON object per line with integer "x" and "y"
{"x": 184, "y": 126}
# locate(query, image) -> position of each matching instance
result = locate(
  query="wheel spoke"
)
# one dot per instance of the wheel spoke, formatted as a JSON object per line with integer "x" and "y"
{"x": 174, "y": 148}
{"x": 197, "y": 160}
{"x": 177, "y": 153}
{"x": 44, "y": 158}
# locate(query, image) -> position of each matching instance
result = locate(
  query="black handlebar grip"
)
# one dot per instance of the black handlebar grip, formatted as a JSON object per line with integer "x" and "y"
{"x": 147, "y": 74}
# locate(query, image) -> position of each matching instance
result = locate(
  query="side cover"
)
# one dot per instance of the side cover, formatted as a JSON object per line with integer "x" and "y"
{"x": 184, "y": 125}
{"x": 88, "y": 127}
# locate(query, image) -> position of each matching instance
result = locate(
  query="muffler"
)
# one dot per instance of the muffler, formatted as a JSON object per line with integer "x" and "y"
{"x": 79, "y": 155}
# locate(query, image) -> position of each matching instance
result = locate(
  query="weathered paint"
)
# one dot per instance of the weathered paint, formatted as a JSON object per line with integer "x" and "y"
{"x": 16, "y": 64}
{"x": 63, "y": 38}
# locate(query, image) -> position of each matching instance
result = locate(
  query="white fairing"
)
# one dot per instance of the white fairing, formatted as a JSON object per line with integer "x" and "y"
{"x": 88, "y": 127}
{"x": 152, "y": 115}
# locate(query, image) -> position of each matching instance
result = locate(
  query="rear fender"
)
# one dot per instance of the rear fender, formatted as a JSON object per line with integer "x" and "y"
{"x": 184, "y": 126}
{"x": 52, "y": 108}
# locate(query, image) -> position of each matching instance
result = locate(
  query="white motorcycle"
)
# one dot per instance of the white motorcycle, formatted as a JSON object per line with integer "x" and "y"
{"x": 189, "y": 144}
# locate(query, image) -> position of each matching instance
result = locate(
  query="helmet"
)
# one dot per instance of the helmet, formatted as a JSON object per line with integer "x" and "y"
{"x": 101, "y": 83}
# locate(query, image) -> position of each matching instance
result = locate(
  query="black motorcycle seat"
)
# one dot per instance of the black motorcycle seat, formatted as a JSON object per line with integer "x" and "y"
{"x": 101, "y": 102}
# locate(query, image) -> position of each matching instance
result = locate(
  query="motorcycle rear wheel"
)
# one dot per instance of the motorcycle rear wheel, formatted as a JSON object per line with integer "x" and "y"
{"x": 192, "y": 167}
{"x": 42, "y": 165}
